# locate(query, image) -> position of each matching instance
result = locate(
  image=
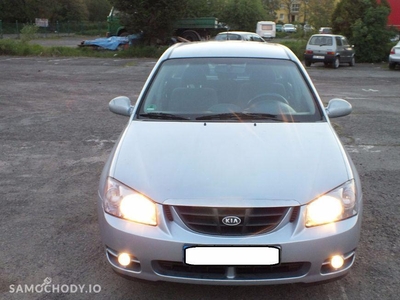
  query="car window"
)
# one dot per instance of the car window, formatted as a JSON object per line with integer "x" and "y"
{"x": 345, "y": 42}
{"x": 229, "y": 36}
{"x": 338, "y": 41}
{"x": 321, "y": 41}
{"x": 201, "y": 87}
{"x": 256, "y": 38}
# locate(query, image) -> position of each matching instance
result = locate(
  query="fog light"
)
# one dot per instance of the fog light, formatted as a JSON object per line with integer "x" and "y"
{"x": 337, "y": 261}
{"x": 124, "y": 259}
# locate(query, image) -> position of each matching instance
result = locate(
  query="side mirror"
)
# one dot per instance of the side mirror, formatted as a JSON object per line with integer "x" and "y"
{"x": 121, "y": 105}
{"x": 338, "y": 108}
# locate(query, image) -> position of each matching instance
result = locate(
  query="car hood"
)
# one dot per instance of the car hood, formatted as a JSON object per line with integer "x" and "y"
{"x": 224, "y": 163}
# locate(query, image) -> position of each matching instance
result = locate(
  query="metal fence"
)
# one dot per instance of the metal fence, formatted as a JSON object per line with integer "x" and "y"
{"x": 56, "y": 28}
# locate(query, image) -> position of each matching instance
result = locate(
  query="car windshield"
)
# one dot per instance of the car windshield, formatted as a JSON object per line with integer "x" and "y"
{"x": 229, "y": 89}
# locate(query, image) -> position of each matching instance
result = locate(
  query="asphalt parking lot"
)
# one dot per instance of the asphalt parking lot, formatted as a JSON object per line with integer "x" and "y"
{"x": 56, "y": 133}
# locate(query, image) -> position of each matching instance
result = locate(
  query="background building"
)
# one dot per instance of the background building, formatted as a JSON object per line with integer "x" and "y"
{"x": 394, "y": 17}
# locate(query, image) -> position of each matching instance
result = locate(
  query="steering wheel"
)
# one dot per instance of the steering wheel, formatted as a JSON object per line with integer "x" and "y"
{"x": 267, "y": 97}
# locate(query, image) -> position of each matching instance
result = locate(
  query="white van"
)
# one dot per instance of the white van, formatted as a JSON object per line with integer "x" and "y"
{"x": 266, "y": 29}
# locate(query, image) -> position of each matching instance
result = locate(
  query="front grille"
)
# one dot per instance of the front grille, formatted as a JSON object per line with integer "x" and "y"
{"x": 284, "y": 270}
{"x": 252, "y": 220}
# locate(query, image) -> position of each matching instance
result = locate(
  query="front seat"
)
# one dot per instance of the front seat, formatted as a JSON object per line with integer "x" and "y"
{"x": 193, "y": 96}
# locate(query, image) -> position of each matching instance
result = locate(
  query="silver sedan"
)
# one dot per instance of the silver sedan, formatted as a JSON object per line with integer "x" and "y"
{"x": 229, "y": 172}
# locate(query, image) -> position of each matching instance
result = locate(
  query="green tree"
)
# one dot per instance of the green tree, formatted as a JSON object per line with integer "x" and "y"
{"x": 13, "y": 10}
{"x": 155, "y": 18}
{"x": 55, "y": 10}
{"x": 97, "y": 10}
{"x": 243, "y": 14}
{"x": 319, "y": 12}
{"x": 345, "y": 15}
{"x": 69, "y": 10}
{"x": 203, "y": 8}
{"x": 364, "y": 23}
{"x": 370, "y": 36}
{"x": 270, "y": 7}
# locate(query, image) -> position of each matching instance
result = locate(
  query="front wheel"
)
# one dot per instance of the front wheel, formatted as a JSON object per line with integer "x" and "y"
{"x": 352, "y": 62}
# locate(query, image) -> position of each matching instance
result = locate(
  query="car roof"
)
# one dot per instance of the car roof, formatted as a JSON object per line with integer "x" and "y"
{"x": 229, "y": 49}
{"x": 327, "y": 34}
{"x": 236, "y": 32}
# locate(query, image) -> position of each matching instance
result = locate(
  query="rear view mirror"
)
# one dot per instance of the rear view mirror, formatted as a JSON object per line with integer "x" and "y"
{"x": 338, "y": 108}
{"x": 121, "y": 105}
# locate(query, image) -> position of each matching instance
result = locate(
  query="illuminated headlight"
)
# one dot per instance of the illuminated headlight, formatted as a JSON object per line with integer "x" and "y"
{"x": 338, "y": 204}
{"x": 123, "y": 202}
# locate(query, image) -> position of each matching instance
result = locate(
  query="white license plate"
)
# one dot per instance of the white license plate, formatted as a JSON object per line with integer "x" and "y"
{"x": 231, "y": 256}
{"x": 318, "y": 57}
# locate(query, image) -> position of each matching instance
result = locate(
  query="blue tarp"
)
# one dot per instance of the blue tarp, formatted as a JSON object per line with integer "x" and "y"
{"x": 110, "y": 43}
{"x": 113, "y": 42}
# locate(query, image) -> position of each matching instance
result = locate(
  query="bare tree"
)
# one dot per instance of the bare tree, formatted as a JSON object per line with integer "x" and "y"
{"x": 288, "y": 5}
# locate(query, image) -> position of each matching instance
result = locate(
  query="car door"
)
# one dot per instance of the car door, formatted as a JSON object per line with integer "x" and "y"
{"x": 340, "y": 49}
{"x": 344, "y": 49}
{"x": 348, "y": 48}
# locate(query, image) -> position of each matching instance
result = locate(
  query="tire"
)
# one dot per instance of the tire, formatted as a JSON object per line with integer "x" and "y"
{"x": 191, "y": 35}
{"x": 352, "y": 63}
{"x": 392, "y": 66}
{"x": 307, "y": 63}
{"x": 336, "y": 63}
{"x": 123, "y": 33}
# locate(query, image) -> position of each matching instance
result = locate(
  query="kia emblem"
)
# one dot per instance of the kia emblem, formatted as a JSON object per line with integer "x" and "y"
{"x": 231, "y": 221}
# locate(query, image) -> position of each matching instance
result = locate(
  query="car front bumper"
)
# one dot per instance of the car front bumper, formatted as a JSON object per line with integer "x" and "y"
{"x": 157, "y": 252}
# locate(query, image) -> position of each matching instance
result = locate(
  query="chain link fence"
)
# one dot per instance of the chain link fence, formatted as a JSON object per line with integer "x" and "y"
{"x": 56, "y": 29}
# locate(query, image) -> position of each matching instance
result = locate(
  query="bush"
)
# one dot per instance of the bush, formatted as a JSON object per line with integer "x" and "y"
{"x": 370, "y": 36}
{"x": 297, "y": 46}
{"x": 28, "y": 33}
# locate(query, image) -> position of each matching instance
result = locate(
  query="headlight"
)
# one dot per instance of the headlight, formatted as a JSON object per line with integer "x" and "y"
{"x": 123, "y": 202}
{"x": 336, "y": 205}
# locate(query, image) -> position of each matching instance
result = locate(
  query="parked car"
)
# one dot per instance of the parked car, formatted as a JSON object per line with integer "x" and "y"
{"x": 308, "y": 28}
{"x": 325, "y": 30}
{"x": 279, "y": 27}
{"x": 395, "y": 38}
{"x": 239, "y": 35}
{"x": 229, "y": 172}
{"x": 329, "y": 49}
{"x": 289, "y": 28}
{"x": 394, "y": 56}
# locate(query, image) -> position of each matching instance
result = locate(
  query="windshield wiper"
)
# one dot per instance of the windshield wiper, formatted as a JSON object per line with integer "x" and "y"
{"x": 239, "y": 116}
{"x": 162, "y": 116}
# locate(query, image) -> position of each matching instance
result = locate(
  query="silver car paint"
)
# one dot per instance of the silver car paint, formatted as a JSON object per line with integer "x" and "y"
{"x": 166, "y": 240}
{"x": 250, "y": 162}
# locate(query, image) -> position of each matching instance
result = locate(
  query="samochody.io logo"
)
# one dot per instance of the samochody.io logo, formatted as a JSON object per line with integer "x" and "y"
{"x": 49, "y": 287}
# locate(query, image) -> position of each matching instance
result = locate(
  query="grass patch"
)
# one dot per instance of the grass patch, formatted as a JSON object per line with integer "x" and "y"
{"x": 23, "y": 48}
